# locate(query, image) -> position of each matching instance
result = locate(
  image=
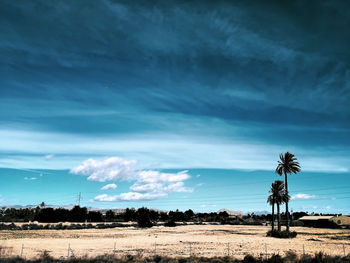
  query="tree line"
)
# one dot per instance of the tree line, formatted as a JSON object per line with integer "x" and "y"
{"x": 143, "y": 215}
{"x": 81, "y": 214}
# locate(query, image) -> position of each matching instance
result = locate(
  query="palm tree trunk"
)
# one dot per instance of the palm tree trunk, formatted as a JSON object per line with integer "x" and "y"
{"x": 273, "y": 218}
{"x": 278, "y": 217}
{"x": 287, "y": 212}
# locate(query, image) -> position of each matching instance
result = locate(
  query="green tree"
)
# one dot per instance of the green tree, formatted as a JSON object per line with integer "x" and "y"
{"x": 110, "y": 215}
{"x": 287, "y": 165}
{"x": 143, "y": 217}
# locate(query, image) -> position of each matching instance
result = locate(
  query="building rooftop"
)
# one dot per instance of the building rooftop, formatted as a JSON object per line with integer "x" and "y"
{"x": 316, "y": 218}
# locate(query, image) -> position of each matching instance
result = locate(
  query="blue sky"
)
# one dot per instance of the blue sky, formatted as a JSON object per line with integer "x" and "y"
{"x": 174, "y": 101}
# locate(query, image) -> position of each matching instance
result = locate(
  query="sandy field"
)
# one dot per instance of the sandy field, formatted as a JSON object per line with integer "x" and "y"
{"x": 199, "y": 240}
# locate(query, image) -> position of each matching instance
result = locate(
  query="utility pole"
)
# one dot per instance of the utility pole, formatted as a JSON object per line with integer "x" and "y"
{"x": 79, "y": 197}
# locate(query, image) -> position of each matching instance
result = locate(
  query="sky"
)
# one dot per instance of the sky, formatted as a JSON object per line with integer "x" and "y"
{"x": 174, "y": 104}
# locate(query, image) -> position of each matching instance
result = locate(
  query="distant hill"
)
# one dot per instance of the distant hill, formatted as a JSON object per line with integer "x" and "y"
{"x": 231, "y": 212}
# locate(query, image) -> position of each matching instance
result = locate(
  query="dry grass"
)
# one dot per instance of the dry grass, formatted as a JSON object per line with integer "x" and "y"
{"x": 206, "y": 241}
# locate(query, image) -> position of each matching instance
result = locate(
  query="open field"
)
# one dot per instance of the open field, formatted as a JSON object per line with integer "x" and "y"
{"x": 201, "y": 240}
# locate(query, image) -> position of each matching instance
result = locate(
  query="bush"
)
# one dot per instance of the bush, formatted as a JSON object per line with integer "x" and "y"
{"x": 276, "y": 259}
{"x": 252, "y": 222}
{"x": 144, "y": 222}
{"x": 250, "y": 259}
{"x": 143, "y": 218}
{"x": 157, "y": 259}
{"x": 291, "y": 256}
{"x": 170, "y": 223}
{"x": 281, "y": 234}
{"x": 60, "y": 226}
{"x": 296, "y": 223}
{"x": 35, "y": 227}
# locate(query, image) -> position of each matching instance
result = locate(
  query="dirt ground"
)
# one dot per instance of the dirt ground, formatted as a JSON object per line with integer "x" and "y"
{"x": 199, "y": 240}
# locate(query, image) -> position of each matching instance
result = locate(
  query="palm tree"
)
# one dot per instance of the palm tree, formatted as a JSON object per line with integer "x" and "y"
{"x": 271, "y": 201}
{"x": 287, "y": 165}
{"x": 278, "y": 196}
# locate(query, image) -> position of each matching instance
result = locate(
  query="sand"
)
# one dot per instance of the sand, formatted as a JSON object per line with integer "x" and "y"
{"x": 199, "y": 240}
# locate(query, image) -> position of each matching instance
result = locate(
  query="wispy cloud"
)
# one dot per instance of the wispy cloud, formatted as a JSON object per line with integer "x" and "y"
{"x": 260, "y": 94}
{"x": 49, "y": 157}
{"x": 130, "y": 196}
{"x": 109, "y": 187}
{"x": 30, "y": 178}
{"x": 208, "y": 206}
{"x": 303, "y": 196}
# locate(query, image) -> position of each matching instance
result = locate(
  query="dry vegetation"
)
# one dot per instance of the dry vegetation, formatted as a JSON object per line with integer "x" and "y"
{"x": 206, "y": 241}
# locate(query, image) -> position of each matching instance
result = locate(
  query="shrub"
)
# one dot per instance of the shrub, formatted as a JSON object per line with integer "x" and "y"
{"x": 35, "y": 227}
{"x": 170, "y": 223}
{"x": 157, "y": 259}
{"x": 101, "y": 226}
{"x": 60, "y": 226}
{"x": 291, "y": 256}
{"x": 276, "y": 259}
{"x": 252, "y": 222}
{"x": 296, "y": 223}
{"x": 281, "y": 234}
{"x": 25, "y": 227}
{"x": 144, "y": 222}
{"x": 250, "y": 259}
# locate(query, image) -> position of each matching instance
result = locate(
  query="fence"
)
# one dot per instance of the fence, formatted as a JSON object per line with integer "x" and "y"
{"x": 184, "y": 249}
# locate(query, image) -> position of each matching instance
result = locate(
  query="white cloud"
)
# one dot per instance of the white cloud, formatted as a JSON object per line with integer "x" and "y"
{"x": 303, "y": 197}
{"x": 151, "y": 176}
{"x": 110, "y": 169}
{"x": 308, "y": 196}
{"x": 149, "y": 184}
{"x": 144, "y": 188}
{"x": 130, "y": 196}
{"x": 49, "y": 157}
{"x": 105, "y": 198}
{"x": 30, "y": 178}
{"x": 109, "y": 186}
{"x": 177, "y": 188}
{"x": 208, "y": 206}
{"x": 316, "y": 207}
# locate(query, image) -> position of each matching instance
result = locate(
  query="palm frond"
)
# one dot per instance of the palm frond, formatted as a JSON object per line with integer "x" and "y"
{"x": 278, "y": 193}
{"x": 287, "y": 164}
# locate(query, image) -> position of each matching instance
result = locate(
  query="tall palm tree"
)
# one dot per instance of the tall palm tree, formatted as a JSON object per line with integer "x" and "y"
{"x": 278, "y": 196}
{"x": 287, "y": 165}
